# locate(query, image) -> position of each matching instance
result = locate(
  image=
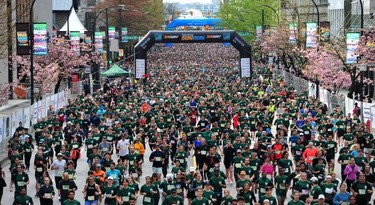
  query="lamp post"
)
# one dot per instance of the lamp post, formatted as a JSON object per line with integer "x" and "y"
{"x": 97, "y": 67}
{"x": 106, "y": 30}
{"x": 31, "y": 40}
{"x": 274, "y": 10}
{"x": 318, "y": 14}
{"x": 361, "y": 95}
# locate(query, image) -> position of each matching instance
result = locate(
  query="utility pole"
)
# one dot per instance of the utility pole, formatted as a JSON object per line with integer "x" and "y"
{"x": 10, "y": 44}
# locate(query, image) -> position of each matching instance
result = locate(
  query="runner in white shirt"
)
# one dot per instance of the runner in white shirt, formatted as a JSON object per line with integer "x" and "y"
{"x": 59, "y": 167}
{"x": 123, "y": 147}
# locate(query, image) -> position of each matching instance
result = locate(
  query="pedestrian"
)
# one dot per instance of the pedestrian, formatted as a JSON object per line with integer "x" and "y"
{"x": 46, "y": 192}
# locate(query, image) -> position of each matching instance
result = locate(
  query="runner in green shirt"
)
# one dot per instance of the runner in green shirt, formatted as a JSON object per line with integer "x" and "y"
{"x": 71, "y": 200}
{"x": 148, "y": 191}
{"x": 200, "y": 200}
{"x": 23, "y": 199}
{"x": 296, "y": 200}
{"x": 173, "y": 199}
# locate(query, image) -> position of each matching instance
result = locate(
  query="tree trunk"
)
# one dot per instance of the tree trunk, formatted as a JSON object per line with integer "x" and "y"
{"x": 57, "y": 86}
{"x": 352, "y": 86}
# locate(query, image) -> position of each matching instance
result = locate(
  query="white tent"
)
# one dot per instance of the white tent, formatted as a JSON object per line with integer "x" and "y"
{"x": 74, "y": 23}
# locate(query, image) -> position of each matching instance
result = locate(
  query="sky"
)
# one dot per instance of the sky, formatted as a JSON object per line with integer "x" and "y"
{"x": 189, "y": 1}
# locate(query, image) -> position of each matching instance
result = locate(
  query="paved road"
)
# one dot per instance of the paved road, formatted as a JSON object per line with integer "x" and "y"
{"x": 82, "y": 174}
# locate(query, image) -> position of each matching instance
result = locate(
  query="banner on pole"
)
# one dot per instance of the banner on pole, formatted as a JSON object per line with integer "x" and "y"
{"x": 352, "y": 40}
{"x": 99, "y": 41}
{"x": 124, "y": 34}
{"x": 292, "y": 32}
{"x": 40, "y": 39}
{"x": 259, "y": 31}
{"x": 311, "y": 35}
{"x": 22, "y": 36}
{"x": 111, "y": 33}
{"x": 87, "y": 37}
{"x": 74, "y": 40}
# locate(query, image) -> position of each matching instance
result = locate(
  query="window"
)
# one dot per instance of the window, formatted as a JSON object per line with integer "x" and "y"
{"x": 91, "y": 2}
{"x": 323, "y": 2}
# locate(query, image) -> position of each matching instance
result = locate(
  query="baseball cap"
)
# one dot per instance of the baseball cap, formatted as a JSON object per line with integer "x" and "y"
{"x": 110, "y": 178}
{"x": 239, "y": 150}
{"x": 314, "y": 179}
{"x": 191, "y": 169}
{"x": 321, "y": 196}
{"x": 59, "y": 155}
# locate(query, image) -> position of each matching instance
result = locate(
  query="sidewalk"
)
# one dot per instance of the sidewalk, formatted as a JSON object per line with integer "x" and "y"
{"x": 11, "y": 107}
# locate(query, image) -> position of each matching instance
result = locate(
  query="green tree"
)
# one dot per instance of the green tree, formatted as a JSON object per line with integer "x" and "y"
{"x": 245, "y": 15}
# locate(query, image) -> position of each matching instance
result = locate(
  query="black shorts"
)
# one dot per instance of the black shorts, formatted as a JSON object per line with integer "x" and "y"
{"x": 50, "y": 153}
{"x": 191, "y": 195}
{"x": 340, "y": 133}
{"x": 123, "y": 158}
{"x": 330, "y": 157}
{"x": 227, "y": 164}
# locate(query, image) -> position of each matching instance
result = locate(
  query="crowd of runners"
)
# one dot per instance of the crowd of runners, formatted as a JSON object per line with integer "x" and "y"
{"x": 207, "y": 130}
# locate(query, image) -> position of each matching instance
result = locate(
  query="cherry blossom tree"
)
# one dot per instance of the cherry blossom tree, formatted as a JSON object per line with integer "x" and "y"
{"x": 330, "y": 66}
{"x": 290, "y": 54}
{"x": 324, "y": 65}
{"x": 52, "y": 69}
{"x": 4, "y": 92}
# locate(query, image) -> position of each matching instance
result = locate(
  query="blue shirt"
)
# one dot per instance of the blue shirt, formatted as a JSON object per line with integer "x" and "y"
{"x": 115, "y": 174}
{"x": 341, "y": 197}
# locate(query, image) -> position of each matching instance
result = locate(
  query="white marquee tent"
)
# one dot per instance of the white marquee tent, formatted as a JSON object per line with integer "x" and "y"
{"x": 74, "y": 23}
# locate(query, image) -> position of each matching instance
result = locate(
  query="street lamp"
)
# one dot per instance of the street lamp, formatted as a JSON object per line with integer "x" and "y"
{"x": 318, "y": 14}
{"x": 106, "y": 25}
{"x": 96, "y": 69}
{"x": 31, "y": 53}
{"x": 274, "y": 10}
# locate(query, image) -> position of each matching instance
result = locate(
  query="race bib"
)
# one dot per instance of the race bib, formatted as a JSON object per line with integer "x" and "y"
{"x": 91, "y": 198}
{"x": 362, "y": 191}
{"x": 125, "y": 198}
{"x": 147, "y": 199}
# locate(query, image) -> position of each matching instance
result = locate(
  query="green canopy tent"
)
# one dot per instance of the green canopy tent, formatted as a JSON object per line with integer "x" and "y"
{"x": 115, "y": 71}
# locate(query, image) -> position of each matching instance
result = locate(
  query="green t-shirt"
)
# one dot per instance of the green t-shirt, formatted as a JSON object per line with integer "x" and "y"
{"x": 216, "y": 182}
{"x": 110, "y": 191}
{"x": 23, "y": 200}
{"x": 74, "y": 202}
{"x": 125, "y": 194}
{"x": 148, "y": 199}
{"x": 299, "y": 202}
{"x": 173, "y": 200}
{"x": 202, "y": 201}
{"x": 281, "y": 183}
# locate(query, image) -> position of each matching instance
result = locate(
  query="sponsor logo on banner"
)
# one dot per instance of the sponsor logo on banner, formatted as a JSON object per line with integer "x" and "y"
{"x": 171, "y": 37}
{"x": 158, "y": 37}
{"x": 237, "y": 40}
{"x": 187, "y": 37}
{"x": 226, "y": 36}
{"x": 213, "y": 36}
{"x": 199, "y": 38}
{"x": 144, "y": 44}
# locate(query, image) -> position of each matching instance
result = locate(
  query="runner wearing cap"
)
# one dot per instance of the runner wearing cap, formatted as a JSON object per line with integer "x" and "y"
{"x": 316, "y": 190}
{"x": 329, "y": 189}
{"x": 110, "y": 192}
{"x": 173, "y": 198}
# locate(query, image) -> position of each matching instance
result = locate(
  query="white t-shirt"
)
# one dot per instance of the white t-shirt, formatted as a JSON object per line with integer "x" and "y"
{"x": 123, "y": 146}
{"x": 59, "y": 167}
